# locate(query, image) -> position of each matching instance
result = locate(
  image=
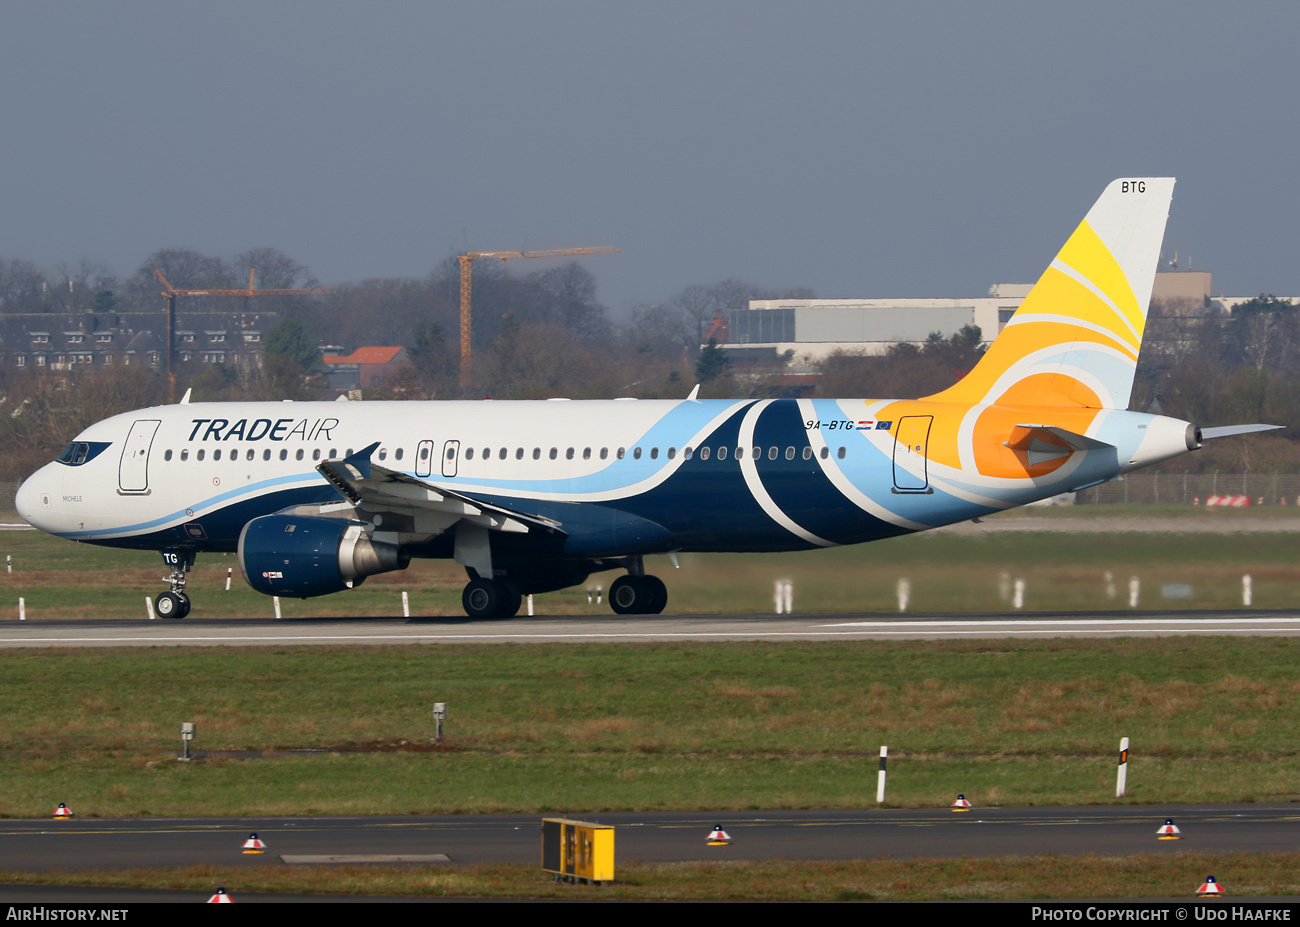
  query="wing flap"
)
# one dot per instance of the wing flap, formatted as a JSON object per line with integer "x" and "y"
{"x": 378, "y": 489}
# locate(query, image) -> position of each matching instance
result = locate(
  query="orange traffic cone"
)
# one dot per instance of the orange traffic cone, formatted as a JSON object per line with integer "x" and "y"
{"x": 62, "y": 812}
{"x": 719, "y": 837}
{"x": 1209, "y": 887}
{"x": 253, "y": 845}
{"x": 961, "y": 804}
{"x": 1168, "y": 831}
{"x": 221, "y": 898}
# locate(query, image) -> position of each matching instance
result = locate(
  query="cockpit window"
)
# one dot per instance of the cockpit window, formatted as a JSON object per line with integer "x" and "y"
{"x": 80, "y": 452}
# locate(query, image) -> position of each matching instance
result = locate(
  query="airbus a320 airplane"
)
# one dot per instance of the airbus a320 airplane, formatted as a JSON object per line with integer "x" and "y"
{"x": 532, "y": 497}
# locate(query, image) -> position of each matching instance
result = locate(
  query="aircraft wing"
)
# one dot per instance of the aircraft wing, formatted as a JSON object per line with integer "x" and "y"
{"x": 377, "y": 489}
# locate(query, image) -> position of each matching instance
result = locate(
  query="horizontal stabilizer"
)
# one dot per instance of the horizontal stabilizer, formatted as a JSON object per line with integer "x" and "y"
{"x": 1023, "y": 434}
{"x": 1042, "y": 443}
{"x": 1224, "y": 431}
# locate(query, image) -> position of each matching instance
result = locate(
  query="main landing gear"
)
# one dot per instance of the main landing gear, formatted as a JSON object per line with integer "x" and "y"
{"x": 175, "y": 604}
{"x": 636, "y": 593}
{"x": 491, "y": 598}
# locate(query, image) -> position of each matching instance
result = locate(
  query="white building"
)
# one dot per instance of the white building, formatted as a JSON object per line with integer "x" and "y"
{"x": 815, "y": 328}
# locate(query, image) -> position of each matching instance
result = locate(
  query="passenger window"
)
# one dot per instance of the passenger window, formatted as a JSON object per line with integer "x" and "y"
{"x": 841, "y": 452}
{"x": 604, "y": 453}
{"x": 487, "y": 453}
{"x": 586, "y": 453}
{"x": 826, "y": 452}
{"x": 568, "y": 455}
{"x": 519, "y": 453}
{"x": 621, "y": 453}
{"x": 383, "y": 454}
{"x": 636, "y": 453}
{"x": 740, "y": 453}
{"x": 315, "y": 455}
{"x": 687, "y": 454}
{"x": 424, "y": 453}
{"x": 537, "y": 453}
{"x": 469, "y": 454}
{"x": 722, "y": 453}
{"x": 654, "y": 453}
{"x": 704, "y": 453}
{"x": 807, "y": 453}
{"x": 199, "y": 455}
{"x": 298, "y": 456}
{"x": 758, "y": 453}
{"x": 216, "y": 455}
{"x": 789, "y": 453}
{"x": 397, "y": 454}
{"x": 501, "y": 454}
{"x": 167, "y": 455}
{"x": 349, "y": 453}
{"x": 672, "y": 453}
{"x": 554, "y": 453}
{"x": 249, "y": 455}
{"x": 266, "y": 454}
{"x": 185, "y": 455}
{"x": 284, "y": 454}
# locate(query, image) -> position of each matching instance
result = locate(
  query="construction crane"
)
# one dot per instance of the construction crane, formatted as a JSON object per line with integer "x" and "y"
{"x": 170, "y": 293}
{"x": 467, "y": 259}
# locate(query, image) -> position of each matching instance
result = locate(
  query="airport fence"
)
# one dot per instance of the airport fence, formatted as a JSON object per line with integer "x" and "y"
{"x": 1154, "y": 486}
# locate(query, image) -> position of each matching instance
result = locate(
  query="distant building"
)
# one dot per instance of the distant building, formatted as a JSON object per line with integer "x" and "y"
{"x": 815, "y": 328}
{"x": 364, "y": 367}
{"x": 61, "y": 341}
{"x": 1183, "y": 285}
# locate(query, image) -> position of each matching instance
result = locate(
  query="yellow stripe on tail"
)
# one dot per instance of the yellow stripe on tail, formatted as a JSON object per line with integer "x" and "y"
{"x": 1074, "y": 341}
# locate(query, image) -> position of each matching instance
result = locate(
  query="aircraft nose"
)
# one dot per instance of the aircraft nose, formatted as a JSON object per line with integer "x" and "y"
{"x": 35, "y": 500}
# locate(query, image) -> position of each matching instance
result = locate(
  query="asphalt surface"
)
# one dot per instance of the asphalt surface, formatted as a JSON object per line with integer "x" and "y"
{"x": 36, "y": 846}
{"x": 198, "y": 632}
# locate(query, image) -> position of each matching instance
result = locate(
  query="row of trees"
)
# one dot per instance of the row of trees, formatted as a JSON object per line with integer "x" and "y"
{"x": 545, "y": 334}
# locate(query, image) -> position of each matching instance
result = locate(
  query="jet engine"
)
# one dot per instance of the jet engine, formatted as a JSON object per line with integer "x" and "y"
{"x": 304, "y": 556}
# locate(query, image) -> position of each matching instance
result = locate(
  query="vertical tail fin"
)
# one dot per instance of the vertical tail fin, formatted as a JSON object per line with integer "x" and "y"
{"x": 1074, "y": 341}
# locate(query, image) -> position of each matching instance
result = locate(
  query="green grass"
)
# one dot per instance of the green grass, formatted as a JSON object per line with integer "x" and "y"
{"x": 1063, "y": 571}
{"x": 964, "y": 879}
{"x": 644, "y": 727}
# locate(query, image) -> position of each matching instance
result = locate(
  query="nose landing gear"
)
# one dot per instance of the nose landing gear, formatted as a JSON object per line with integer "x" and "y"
{"x": 175, "y": 604}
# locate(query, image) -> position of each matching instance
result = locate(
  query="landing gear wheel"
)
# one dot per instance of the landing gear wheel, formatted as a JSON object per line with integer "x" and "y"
{"x": 638, "y": 595}
{"x": 175, "y": 603}
{"x": 512, "y": 598}
{"x": 169, "y": 605}
{"x": 623, "y": 596}
{"x": 483, "y": 598}
{"x": 658, "y": 594}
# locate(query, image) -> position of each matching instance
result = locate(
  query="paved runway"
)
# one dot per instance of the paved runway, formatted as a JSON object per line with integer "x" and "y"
{"x": 34, "y": 846}
{"x": 658, "y": 628}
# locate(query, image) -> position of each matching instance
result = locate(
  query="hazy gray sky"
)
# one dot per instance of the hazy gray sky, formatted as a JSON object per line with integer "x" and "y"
{"x": 860, "y": 149}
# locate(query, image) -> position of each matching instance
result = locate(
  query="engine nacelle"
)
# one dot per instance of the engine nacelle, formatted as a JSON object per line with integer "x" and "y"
{"x": 304, "y": 556}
